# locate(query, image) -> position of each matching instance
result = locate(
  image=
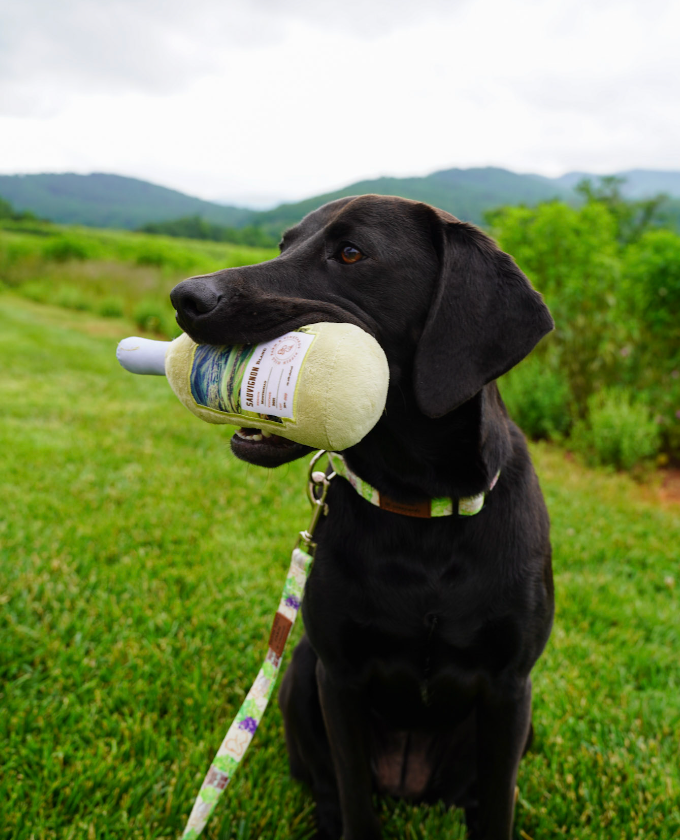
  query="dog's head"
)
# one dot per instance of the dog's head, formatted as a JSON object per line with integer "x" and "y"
{"x": 451, "y": 311}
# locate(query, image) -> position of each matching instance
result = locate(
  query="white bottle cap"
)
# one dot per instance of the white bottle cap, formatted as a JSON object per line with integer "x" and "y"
{"x": 142, "y": 355}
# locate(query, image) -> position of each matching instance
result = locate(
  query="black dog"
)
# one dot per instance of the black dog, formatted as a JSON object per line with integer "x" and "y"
{"x": 413, "y": 677}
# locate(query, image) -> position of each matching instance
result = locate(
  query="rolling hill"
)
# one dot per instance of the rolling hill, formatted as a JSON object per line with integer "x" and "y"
{"x": 466, "y": 193}
{"x": 639, "y": 183}
{"x": 104, "y": 200}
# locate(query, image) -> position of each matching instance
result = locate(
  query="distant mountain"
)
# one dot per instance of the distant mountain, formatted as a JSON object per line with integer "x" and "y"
{"x": 101, "y": 200}
{"x": 639, "y": 183}
{"x": 466, "y": 193}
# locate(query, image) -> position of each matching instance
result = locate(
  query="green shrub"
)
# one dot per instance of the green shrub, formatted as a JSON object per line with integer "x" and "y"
{"x": 148, "y": 315}
{"x": 15, "y": 250}
{"x": 156, "y": 257}
{"x": 65, "y": 248}
{"x": 71, "y": 297}
{"x": 571, "y": 256}
{"x": 152, "y": 315}
{"x": 6, "y": 209}
{"x": 652, "y": 271}
{"x": 537, "y": 397}
{"x": 169, "y": 326}
{"x": 65, "y": 295}
{"x": 39, "y": 291}
{"x": 663, "y": 394}
{"x": 169, "y": 256}
{"x": 618, "y": 430}
{"x": 111, "y": 307}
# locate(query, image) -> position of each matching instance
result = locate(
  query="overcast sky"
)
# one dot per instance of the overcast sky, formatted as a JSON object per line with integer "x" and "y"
{"x": 259, "y": 100}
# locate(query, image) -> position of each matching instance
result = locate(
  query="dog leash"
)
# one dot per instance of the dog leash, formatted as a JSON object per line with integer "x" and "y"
{"x": 240, "y": 733}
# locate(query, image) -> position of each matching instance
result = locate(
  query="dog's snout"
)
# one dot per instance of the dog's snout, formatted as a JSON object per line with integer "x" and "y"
{"x": 194, "y": 297}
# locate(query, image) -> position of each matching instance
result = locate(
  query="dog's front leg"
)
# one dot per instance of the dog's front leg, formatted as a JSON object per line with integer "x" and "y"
{"x": 503, "y": 724}
{"x": 347, "y": 728}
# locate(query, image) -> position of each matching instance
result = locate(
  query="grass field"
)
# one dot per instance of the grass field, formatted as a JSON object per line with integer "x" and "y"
{"x": 108, "y": 272}
{"x": 141, "y": 565}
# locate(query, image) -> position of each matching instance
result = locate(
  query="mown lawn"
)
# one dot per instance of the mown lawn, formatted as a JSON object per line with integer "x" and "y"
{"x": 140, "y": 565}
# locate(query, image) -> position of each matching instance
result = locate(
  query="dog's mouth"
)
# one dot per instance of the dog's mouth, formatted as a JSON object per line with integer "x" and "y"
{"x": 264, "y": 449}
{"x": 260, "y": 436}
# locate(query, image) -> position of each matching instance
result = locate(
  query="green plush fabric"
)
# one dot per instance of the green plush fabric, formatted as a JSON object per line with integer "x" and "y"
{"x": 340, "y": 394}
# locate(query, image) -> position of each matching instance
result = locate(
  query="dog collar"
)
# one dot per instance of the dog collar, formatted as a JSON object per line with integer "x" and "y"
{"x": 428, "y": 508}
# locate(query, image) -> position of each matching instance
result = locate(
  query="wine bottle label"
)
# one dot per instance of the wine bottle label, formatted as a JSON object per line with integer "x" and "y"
{"x": 271, "y": 375}
{"x": 256, "y": 381}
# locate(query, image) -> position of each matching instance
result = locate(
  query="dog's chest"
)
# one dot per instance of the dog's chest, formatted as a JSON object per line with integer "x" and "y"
{"x": 400, "y": 623}
{"x": 430, "y": 639}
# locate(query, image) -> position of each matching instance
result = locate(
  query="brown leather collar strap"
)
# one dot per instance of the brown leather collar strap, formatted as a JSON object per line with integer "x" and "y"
{"x": 427, "y": 509}
{"x": 423, "y": 509}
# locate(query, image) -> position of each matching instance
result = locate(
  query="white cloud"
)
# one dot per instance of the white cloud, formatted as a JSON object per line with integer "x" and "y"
{"x": 292, "y": 97}
{"x": 50, "y": 51}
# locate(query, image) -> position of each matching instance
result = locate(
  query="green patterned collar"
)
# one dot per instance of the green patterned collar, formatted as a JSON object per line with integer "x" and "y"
{"x": 428, "y": 508}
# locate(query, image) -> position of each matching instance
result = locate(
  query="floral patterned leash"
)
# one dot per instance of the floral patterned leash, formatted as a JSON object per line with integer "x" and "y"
{"x": 240, "y": 734}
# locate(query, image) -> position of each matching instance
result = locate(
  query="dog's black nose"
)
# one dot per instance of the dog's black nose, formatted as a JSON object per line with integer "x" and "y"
{"x": 194, "y": 297}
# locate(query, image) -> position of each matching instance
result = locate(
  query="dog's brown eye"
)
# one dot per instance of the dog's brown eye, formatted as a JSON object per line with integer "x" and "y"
{"x": 349, "y": 254}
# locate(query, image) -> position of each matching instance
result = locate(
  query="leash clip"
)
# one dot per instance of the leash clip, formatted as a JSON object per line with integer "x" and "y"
{"x": 318, "y": 483}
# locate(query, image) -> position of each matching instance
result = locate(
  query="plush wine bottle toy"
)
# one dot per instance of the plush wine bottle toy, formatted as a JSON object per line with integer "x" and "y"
{"x": 323, "y": 385}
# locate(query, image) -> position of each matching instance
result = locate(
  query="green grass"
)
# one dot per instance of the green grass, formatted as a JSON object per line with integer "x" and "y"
{"x": 141, "y": 565}
{"x": 109, "y": 272}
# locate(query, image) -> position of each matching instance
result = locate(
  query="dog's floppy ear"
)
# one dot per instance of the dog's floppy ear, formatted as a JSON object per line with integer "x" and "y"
{"x": 484, "y": 318}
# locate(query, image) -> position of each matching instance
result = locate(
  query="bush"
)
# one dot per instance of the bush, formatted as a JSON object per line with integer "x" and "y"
{"x": 16, "y": 252}
{"x": 169, "y": 326}
{"x": 8, "y": 213}
{"x": 153, "y": 316}
{"x": 618, "y": 431}
{"x": 168, "y": 256}
{"x": 111, "y": 307}
{"x": 537, "y": 396}
{"x": 571, "y": 257}
{"x": 150, "y": 256}
{"x": 37, "y": 290}
{"x": 195, "y": 227}
{"x": 71, "y": 297}
{"x": 6, "y": 209}
{"x": 652, "y": 271}
{"x": 149, "y": 315}
{"x": 65, "y": 248}
{"x": 664, "y": 395}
